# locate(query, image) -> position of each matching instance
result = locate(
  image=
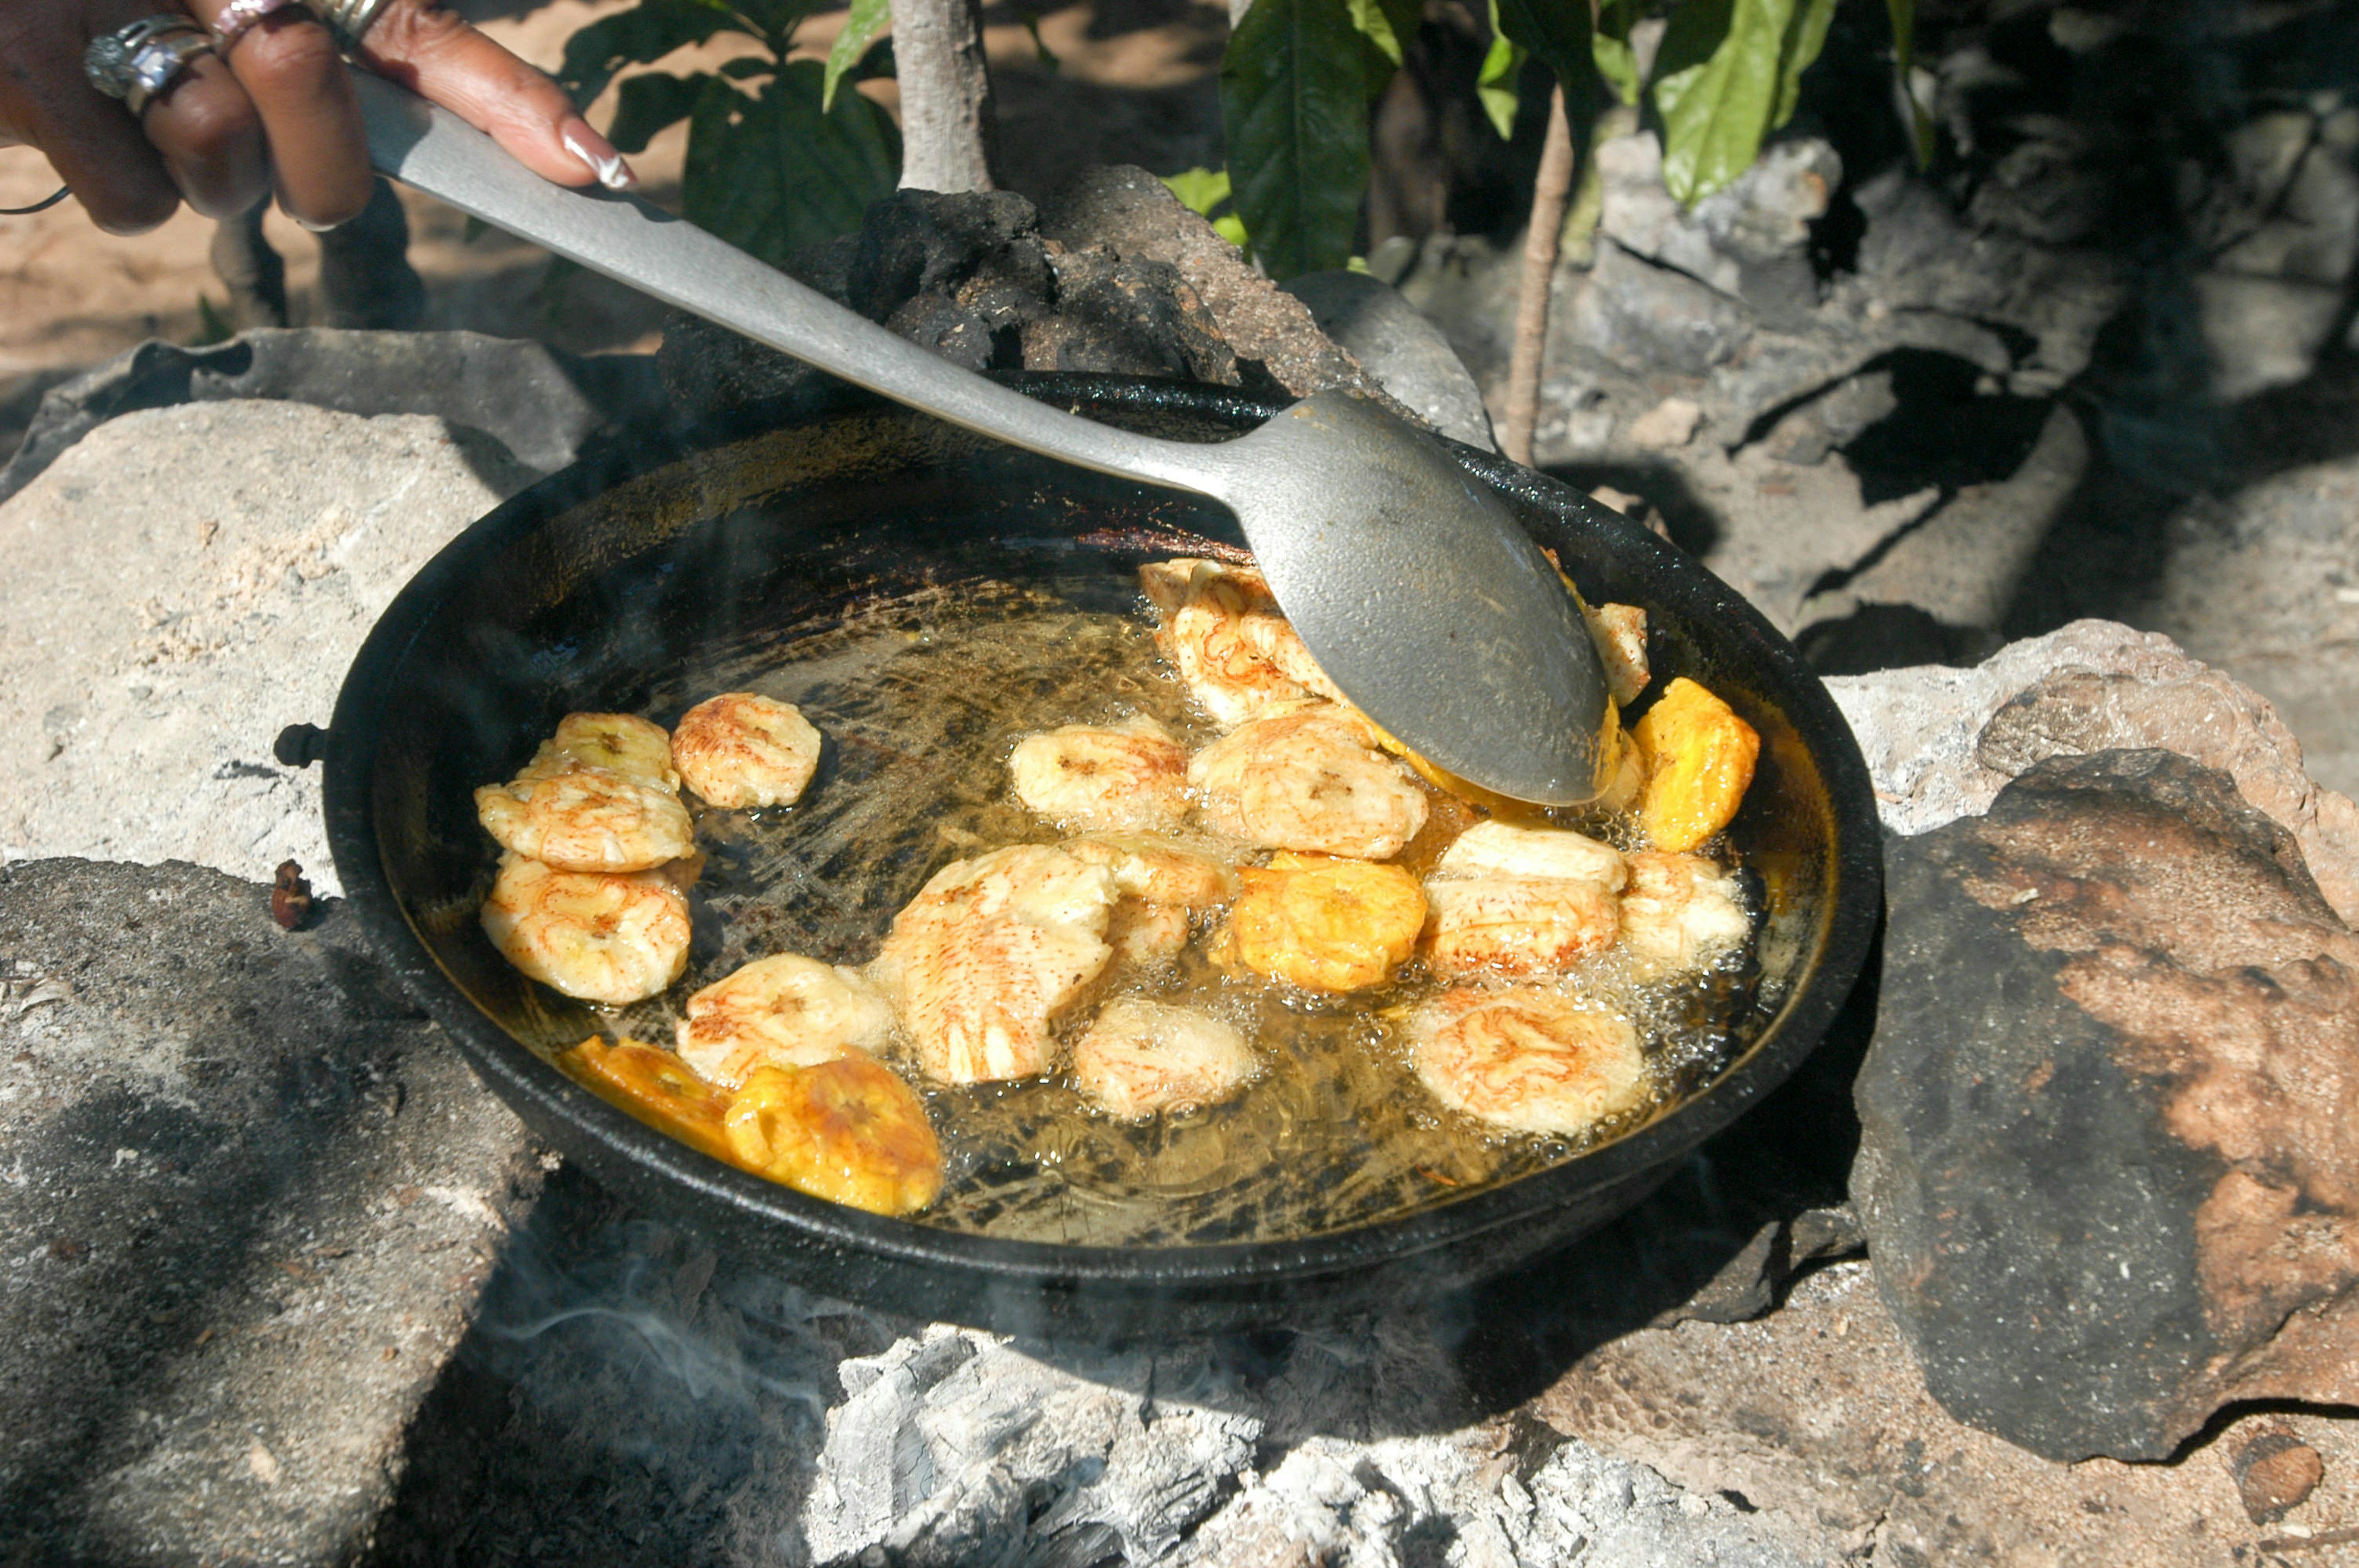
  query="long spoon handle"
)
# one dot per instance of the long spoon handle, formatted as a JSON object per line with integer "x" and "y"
{"x": 637, "y": 243}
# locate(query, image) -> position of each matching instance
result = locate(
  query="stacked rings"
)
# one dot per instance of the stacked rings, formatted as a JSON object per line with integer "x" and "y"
{"x": 239, "y": 17}
{"x": 136, "y": 62}
{"x": 349, "y": 20}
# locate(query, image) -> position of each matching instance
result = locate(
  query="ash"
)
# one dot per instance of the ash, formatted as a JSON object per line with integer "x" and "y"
{"x": 625, "y": 1396}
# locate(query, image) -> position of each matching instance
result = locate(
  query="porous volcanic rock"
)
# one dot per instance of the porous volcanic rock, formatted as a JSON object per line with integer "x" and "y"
{"x": 2109, "y": 1167}
{"x": 1941, "y": 741}
{"x": 1115, "y": 277}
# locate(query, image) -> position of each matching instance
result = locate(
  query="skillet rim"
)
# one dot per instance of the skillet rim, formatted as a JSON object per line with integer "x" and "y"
{"x": 553, "y": 1104}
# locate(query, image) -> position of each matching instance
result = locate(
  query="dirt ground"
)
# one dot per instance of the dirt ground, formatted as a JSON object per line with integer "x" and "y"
{"x": 1134, "y": 81}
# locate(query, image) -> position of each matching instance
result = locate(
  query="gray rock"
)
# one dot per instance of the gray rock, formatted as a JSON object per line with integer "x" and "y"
{"x": 187, "y": 582}
{"x": 2285, "y": 204}
{"x": 1135, "y": 215}
{"x": 250, "y": 1200}
{"x": 1940, "y": 743}
{"x": 1916, "y": 254}
{"x": 2265, "y": 581}
{"x": 538, "y": 404}
{"x": 1817, "y": 1413}
{"x": 2260, "y": 332}
{"x": 1401, "y": 348}
{"x": 2102, "y": 1126}
{"x": 1650, "y": 318}
{"x": 1749, "y": 240}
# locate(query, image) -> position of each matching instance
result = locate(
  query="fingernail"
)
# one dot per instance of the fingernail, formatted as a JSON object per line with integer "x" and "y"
{"x": 598, "y": 154}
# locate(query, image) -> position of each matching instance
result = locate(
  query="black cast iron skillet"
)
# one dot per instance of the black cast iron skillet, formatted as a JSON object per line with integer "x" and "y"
{"x": 583, "y": 591}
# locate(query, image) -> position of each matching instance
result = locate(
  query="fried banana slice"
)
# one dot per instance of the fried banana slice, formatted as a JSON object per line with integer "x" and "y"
{"x": 597, "y": 936}
{"x": 1699, "y": 758}
{"x": 1141, "y": 1058}
{"x": 1223, "y": 631}
{"x": 1678, "y": 914}
{"x": 657, "y": 1088}
{"x": 847, "y": 1131}
{"x": 786, "y": 1010}
{"x": 619, "y": 743}
{"x": 1104, "y": 776}
{"x": 1619, "y": 632}
{"x": 1308, "y": 778}
{"x": 1517, "y": 926}
{"x": 1147, "y": 936}
{"x": 741, "y": 749}
{"x": 587, "y": 819}
{"x": 1321, "y": 924}
{"x": 1521, "y": 900}
{"x": 990, "y": 952}
{"x": 1159, "y": 870}
{"x": 1530, "y": 1059}
{"x": 1497, "y": 849}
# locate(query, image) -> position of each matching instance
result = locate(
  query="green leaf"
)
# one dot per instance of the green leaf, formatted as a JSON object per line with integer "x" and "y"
{"x": 1557, "y": 31}
{"x": 746, "y": 67}
{"x": 1904, "y": 60}
{"x": 1804, "y": 40}
{"x": 773, "y": 172}
{"x": 860, "y": 24}
{"x": 1375, "y": 21}
{"x": 640, "y": 35}
{"x": 1616, "y": 61}
{"x": 1200, "y": 189}
{"x": 1232, "y": 228}
{"x": 649, "y": 103}
{"x": 1295, "y": 85}
{"x": 1728, "y": 74}
{"x": 778, "y": 18}
{"x": 1495, "y": 83}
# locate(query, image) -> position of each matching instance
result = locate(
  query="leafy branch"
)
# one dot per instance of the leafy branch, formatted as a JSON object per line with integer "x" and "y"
{"x": 777, "y": 158}
{"x": 1298, "y": 77}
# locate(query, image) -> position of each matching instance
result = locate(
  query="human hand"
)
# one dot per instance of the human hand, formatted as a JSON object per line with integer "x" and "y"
{"x": 274, "y": 109}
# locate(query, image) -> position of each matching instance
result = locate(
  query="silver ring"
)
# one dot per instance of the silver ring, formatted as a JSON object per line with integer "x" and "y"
{"x": 136, "y": 62}
{"x": 349, "y": 20}
{"x": 238, "y": 18}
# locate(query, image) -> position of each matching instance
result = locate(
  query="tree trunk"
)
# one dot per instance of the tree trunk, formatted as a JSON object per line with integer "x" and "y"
{"x": 1548, "y": 193}
{"x": 946, "y": 117}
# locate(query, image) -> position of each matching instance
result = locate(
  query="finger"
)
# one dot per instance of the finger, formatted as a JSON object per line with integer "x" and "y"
{"x": 311, "y": 119}
{"x": 210, "y": 139}
{"x": 437, "y": 55}
{"x": 96, "y": 147}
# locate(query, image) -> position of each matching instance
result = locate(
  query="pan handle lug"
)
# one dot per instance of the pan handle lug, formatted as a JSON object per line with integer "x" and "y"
{"x": 301, "y": 745}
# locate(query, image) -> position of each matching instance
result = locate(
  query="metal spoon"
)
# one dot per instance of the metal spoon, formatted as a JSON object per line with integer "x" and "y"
{"x": 1412, "y": 583}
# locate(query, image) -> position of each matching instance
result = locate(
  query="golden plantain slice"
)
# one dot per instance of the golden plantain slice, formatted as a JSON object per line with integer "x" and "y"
{"x": 1699, "y": 758}
{"x": 784, "y": 1010}
{"x": 1323, "y": 924}
{"x": 619, "y": 743}
{"x": 656, "y": 1086}
{"x": 1529, "y": 1058}
{"x": 847, "y": 1131}
{"x": 587, "y": 819}
{"x": 742, "y": 749}
{"x": 1103, "y": 776}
